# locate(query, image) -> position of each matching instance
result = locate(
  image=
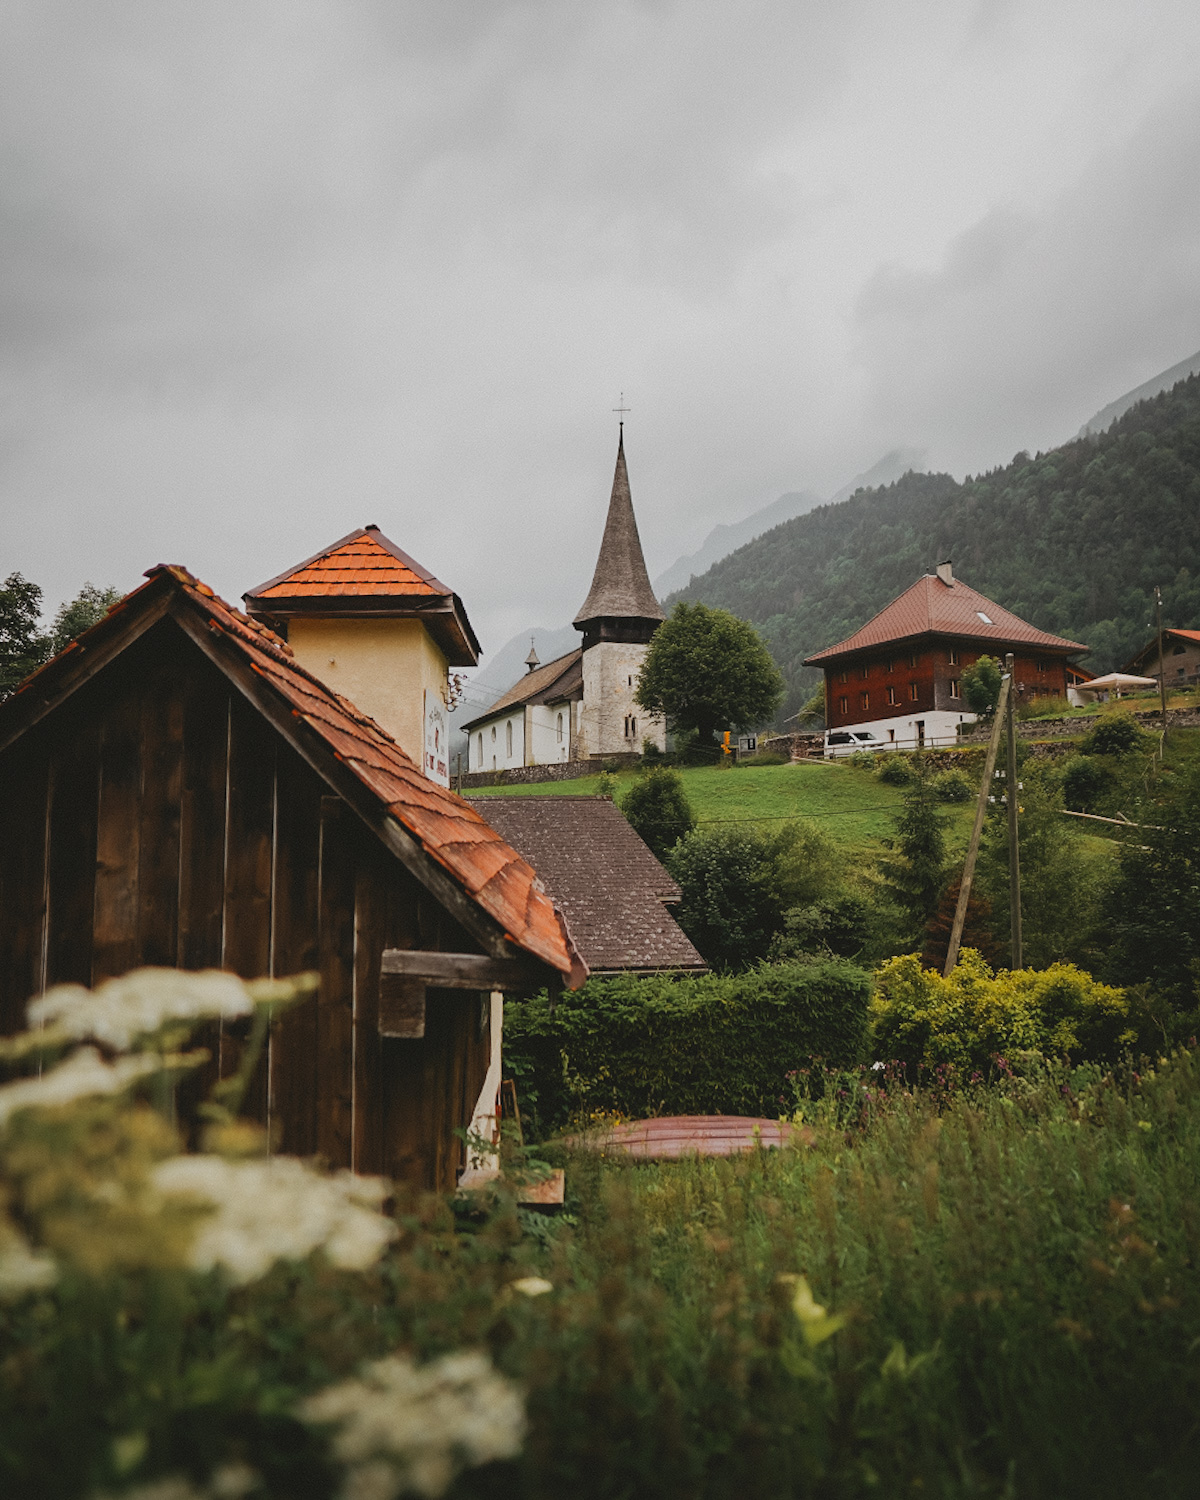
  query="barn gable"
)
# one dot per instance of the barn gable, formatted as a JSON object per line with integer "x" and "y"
{"x": 175, "y": 790}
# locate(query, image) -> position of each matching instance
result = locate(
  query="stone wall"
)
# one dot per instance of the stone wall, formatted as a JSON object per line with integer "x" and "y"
{"x": 570, "y": 770}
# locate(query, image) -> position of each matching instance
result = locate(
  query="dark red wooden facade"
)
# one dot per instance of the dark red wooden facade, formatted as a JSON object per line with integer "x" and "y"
{"x": 920, "y": 677}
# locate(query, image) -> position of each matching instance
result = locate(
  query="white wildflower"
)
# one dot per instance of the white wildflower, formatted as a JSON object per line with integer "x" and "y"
{"x": 23, "y": 1269}
{"x": 279, "y": 1209}
{"x": 228, "y": 1482}
{"x": 137, "y": 1004}
{"x": 84, "y": 1072}
{"x": 532, "y": 1286}
{"x": 405, "y": 1428}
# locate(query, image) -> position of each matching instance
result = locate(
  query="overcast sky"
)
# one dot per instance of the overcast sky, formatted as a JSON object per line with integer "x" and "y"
{"x": 276, "y": 270}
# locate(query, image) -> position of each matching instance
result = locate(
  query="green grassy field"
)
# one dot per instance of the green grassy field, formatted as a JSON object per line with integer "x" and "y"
{"x": 854, "y": 808}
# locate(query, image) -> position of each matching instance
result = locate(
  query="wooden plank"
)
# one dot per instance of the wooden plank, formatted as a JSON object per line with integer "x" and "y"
{"x": 202, "y": 855}
{"x": 71, "y": 878}
{"x": 161, "y": 804}
{"x": 292, "y": 1109}
{"x": 118, "y": 828}
{"x": 249, "y": 855}
{"x": 402, "y": 1007}
{"x": 460, "y": 971}
{"x": 335, "y": 1000}
{"x": 23, "y": 813}
{"x": 370, "y": 915}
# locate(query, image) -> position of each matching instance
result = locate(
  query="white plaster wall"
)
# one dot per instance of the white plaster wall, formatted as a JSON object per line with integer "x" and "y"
{"x": 494, "y": 755}
{"x": 543, "y": 746}
{"x": 610, "y": 675}
{"x": 941, "y": 728}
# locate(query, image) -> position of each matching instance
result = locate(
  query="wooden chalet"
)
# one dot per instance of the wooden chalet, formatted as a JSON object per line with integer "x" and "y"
{"x": 900, "y": 675}
{"x": 176, "y": 789}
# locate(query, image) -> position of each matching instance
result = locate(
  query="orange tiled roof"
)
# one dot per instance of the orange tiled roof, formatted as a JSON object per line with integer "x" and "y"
{"x": 364, "y": 562}
{"x": 932, "y": 607}
{"x": 450, "y": 831}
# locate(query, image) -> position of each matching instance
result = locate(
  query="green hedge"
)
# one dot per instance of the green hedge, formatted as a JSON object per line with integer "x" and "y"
{"x": 710, "y": 1044}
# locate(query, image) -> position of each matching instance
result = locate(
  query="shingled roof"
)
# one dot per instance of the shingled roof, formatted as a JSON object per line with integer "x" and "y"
{"x": 934, "y": 607}
{"x": 558, "y": 680}
{"x": 421, "y": 822}
{"x": 621, "y": 586}
{"x": 609, "y": 885}
{"x": 365, "y": 573}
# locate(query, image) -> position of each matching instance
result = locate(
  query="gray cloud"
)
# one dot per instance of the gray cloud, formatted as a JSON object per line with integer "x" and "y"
{"x": 276, "y": 270}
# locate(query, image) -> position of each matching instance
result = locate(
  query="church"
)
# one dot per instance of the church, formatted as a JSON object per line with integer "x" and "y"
{"x": 581, "y": 706}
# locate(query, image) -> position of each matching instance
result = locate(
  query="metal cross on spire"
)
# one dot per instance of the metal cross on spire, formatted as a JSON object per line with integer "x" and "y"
{"x": 621, "y": 408}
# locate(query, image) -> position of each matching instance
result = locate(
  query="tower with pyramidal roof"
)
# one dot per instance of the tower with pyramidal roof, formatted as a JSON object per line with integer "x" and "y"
{"x": 617, "y": 619}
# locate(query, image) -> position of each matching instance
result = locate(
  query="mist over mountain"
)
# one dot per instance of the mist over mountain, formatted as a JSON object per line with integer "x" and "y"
{"x": 1073, "y": 540}
{"x": 1107, "y": 415}
{"x": 727, "y": 537}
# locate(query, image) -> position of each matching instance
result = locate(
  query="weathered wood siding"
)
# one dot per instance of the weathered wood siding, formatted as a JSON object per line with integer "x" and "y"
{"x": 156, "y": 818}
{"x": 873, "y": 673}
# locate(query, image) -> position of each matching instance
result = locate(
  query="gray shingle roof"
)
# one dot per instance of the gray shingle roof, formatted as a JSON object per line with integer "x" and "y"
{"x": 558, "y": 679}
{"x": 621, "y": 586}
{"x": 603, "y": 878}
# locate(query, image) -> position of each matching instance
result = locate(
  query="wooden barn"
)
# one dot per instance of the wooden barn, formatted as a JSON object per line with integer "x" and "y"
{"x": 176, "y": 789}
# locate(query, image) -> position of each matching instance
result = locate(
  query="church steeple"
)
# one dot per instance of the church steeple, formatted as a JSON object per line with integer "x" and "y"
{"x": 620, "y": 605}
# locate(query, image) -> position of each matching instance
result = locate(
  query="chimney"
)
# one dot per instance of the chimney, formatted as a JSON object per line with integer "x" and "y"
{"x": 946, "y": 573}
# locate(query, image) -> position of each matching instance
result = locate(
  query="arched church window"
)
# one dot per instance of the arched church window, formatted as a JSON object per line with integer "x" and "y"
{"x": 558, "y": 726}
{"x": 508, "y": 738}
{"x": 481, "y": 751}
{"x": 493, "y": 734}
{"x": 633, "y": 728}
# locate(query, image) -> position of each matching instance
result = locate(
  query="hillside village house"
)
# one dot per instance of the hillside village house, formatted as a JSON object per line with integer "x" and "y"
{"x": 178, "y": 788}
{"x": 900, "y": 676}
{"x": 1180, "y": 662}
{"x": 581, "y": 705}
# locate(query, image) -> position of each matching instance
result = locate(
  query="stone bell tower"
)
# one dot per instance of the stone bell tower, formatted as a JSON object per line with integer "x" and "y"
{"x": 617, "y": 619}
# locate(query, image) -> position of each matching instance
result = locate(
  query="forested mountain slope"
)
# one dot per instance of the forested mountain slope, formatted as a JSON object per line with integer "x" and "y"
{"x": 1073, "y": 540}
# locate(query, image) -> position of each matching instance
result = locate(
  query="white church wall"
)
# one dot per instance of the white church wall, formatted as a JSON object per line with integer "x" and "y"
{"x": 498, "y": 745}
{"x": 548, "y": 728}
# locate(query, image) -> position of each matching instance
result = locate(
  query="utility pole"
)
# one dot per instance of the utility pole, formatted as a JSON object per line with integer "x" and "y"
{"x": 1014, "y": 853}
{"x": 1162, "y": 666}
{"x": 968, "y": 874}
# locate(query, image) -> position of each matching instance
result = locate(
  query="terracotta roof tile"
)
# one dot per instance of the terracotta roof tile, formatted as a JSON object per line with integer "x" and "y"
{"x": 932, "y": 607}
{"x": 358, "y": 564}
{"x": 449, "y": 829}
{"x": 605, "y": 880}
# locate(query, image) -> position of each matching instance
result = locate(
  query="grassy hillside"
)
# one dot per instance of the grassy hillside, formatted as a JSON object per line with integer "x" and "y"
{"x": 1073, "y": 540}
{"x": 854, "y": 808}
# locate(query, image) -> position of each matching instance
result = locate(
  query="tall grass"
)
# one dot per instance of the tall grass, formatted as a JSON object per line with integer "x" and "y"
{"x": 1017, "y": 1270}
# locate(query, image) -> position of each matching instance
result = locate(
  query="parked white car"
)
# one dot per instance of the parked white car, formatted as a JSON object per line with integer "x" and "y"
{"x": 849, "y": 741}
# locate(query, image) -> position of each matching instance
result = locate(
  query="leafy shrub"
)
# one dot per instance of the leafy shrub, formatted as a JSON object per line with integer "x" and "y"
{"x": 975, "y": 1015}
{"x": 706, "y": 1044}
{"x": 952, "y": 786}
{"x": 1115, "y": 733}
{"x": 657, "y": 807}
{"x": 896, "y": 770}
{"x": 981, "y": 685}
{"x": 1086, "y": 782}
{"x": 839, "y": 926}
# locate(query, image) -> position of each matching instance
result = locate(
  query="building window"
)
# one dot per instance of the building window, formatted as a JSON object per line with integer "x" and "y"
{"x": 627, "y": 723}
{"x": 481, "y": 752}
{"x": 493, "y": 734}
{"x": 953, "y": 656}
{"x": 631, "y": 682}
{"x": 508, "y": 739}
{"x": 863, "y": 671}
{"x": 912, "y": 691}
{"x": 1178, "y": 650}
{"x": 843, "y": 704}
{"x": 843, "y": 676}
{"x": 1043, "y": 666}
{"x": 912, "y": 658}
{"x": 891, "y": 664}
{"x": 559, "y": 728}
{"x": 954, "y": 693}
{"x": 633, "y": 724}
{"x": 892, "y": 699}
{"x": 864, "y": 700}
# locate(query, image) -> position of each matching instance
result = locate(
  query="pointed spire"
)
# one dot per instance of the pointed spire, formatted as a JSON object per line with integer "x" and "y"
{"x": 621, "y": 586}
{"x": 533, "y": 661}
